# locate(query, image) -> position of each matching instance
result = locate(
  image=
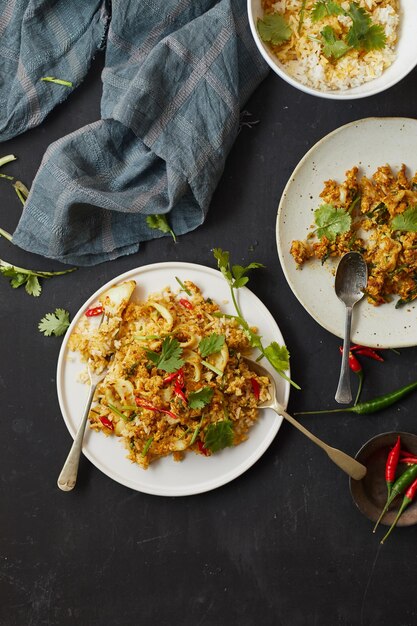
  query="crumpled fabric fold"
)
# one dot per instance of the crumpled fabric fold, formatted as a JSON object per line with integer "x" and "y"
{"x": 176, "y": 75}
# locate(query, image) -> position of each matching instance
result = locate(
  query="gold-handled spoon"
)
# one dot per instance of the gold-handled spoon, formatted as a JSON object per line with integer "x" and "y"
{"x": 349, "y": 465}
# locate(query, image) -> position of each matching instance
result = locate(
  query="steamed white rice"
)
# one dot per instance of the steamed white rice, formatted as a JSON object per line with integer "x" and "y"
{"x": 302, "y": 57}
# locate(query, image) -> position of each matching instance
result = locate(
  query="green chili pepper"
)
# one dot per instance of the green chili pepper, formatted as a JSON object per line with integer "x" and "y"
{"x": 398, "y": 487}
{"x": 371, "y": 406}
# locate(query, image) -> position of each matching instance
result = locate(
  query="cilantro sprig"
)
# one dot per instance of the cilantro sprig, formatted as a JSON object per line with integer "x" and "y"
{"x": 219, "y": 436}
{"x": 274, "y": 29}
{"x": 199, "y": 399}
{"x": 236, "y": 276}
{"x": 406, "y": 221}
{"x": 160, "y": 222}
{"x": 29, "y": 278}
{"x": 362, "y": 34}
{"x": 331, "y": 221}
{"x": 55, "y": 323}
{"x": 211, "y": 344}
{"x": 169, "y": 359}
{"x": 333, "y": 47}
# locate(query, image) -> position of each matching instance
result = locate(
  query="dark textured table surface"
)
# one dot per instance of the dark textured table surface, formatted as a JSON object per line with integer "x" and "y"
{"x": 283, "y": 544}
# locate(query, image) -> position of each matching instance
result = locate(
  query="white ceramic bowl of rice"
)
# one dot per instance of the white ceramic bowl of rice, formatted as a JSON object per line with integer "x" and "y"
{"x": 374, "y": 72}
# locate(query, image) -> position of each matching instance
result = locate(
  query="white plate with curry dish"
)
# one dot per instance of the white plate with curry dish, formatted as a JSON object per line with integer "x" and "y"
{"x": 368, "y": 144}
{"x": 196, "y": 473}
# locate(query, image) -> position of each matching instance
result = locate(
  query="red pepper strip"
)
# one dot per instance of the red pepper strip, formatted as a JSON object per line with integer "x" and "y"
{"x": 150, "y": 407}
{"x": 174, "y": 375}
{"x": 106, "y": 422}
{"x": 408, "y": 497}
{"x": 391, "y": 464}
{"x": 356, "y": 367}
{"x": 179, "y": 392}
{"x": 370, "y": 353}
{"x": 186, "y": 303}
{"x": 96, "y": 310}
{"x": 256, "y": 388}
{"x": 201, "y": 448}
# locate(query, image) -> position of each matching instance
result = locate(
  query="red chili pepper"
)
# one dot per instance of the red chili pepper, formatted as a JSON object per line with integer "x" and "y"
{"x": 179, "y": 392}
{"x": 408, "y": 459}
{"x": 364, "y": 351}
{"x": 174, "y": 375}
{"x": 407, "y": 453}
{"x": 356, "y": 367}
{"x": 391, "y": 464}
{"x": 408, "y": 497}
{"x": 256, "y": 388}
{"x": 106, "y": 422}
{"x": 96, "y": 310}
{"x": 150, "y": 407}
{"x": 201, "y": 447}
{"x": 185, "y": 303}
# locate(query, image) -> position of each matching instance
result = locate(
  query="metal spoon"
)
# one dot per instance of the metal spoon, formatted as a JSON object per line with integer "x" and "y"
{"x": 349, "y": 465}
{"x": 350, "y": 283}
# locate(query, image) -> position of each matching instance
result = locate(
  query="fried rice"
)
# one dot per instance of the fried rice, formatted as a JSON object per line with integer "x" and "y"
{"x": 163, "y": 393}
{"x": 373, "y": 203}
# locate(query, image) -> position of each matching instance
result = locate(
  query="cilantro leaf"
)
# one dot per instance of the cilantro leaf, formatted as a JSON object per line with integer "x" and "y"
{"x": 222, "y": 258}
{"x": 219, "y": 436}
{"x": 363, "y": 35}
{"x": 322, "y": 9}
{"x": 160, "y": 222}
{"x": 54, "y": 323}
{"x": 236, "y": 275}
{"x": 199, "y": 399}
{"x": 406, "y": 221}
{"x": 210, "y": 345}
{"x": 332, "y": 46}
{"x": 274, "y": 29}
{"x": 169, "y": 359}
{"x": 278, "y": 356}
{"x": 32, "y": 286}
{"x": 331, "y": 221}
{"x": 239, "y": 274}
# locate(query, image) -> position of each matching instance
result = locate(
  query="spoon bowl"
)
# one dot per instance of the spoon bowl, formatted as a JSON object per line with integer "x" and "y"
{"x": 350, "y": 284}
{"x": 349, "y": 465}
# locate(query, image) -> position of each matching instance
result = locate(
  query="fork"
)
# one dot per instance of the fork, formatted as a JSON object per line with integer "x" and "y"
{"x": 68, "y": 475}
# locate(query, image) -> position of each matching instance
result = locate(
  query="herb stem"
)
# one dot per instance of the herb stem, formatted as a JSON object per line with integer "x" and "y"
{"x": 5, "y": 234}
{"x": 7, "y": 159}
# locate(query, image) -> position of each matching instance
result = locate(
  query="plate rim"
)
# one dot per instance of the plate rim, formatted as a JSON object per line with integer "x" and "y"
{"x": 206, "y": 485}
{"x": 300, "y": 164}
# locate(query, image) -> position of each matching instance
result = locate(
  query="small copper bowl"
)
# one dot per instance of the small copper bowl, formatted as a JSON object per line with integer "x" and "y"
{"x": 370, "y": 493}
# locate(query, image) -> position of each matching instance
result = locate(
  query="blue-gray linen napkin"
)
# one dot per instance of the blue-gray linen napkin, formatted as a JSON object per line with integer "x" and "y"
{"x": 177, "y": 73}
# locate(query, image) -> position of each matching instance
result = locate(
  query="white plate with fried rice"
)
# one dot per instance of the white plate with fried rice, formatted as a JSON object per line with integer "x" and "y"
{"x": 368, "y": 144}
{"x": 196, "y": 473}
